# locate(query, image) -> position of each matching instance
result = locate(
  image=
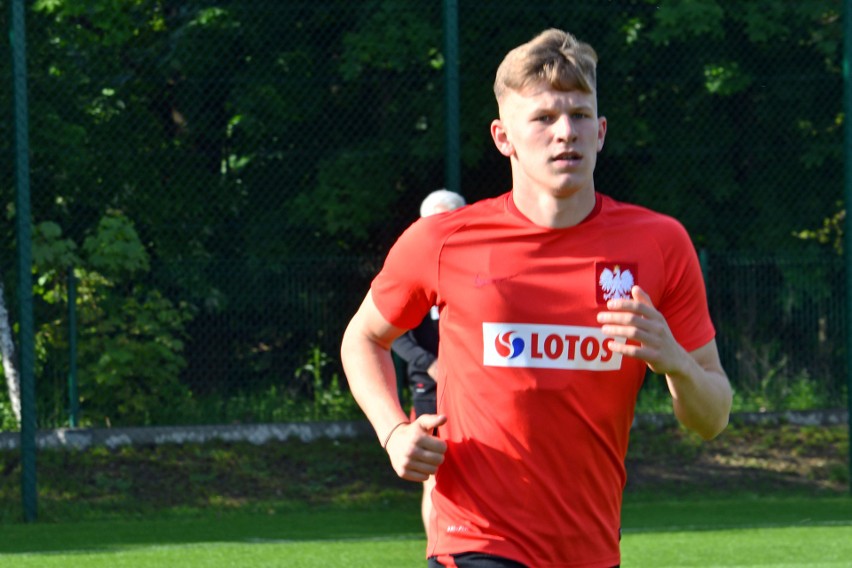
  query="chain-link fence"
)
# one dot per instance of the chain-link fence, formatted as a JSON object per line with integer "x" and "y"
{"x": 223, "y": 179}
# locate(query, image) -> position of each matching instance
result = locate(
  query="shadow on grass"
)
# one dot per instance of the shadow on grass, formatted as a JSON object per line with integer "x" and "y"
{"x": 304, "y": 525}
{"x": 327, "y": 490}
{"x": 401, "y": 521}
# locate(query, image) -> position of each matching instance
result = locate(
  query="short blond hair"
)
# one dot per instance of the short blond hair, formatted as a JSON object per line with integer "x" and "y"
{"x": 554, "y": 57}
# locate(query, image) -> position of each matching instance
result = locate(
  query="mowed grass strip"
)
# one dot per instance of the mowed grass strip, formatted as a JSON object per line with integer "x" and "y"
{"x": 813, "y": 546}
{"x": 816, "y": 546}
{"x": 735, "y": 533}
{"x": 324, "y": 523}
{"x": 371, "y": 553}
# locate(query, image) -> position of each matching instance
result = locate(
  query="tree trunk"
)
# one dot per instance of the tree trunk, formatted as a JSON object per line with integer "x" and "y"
{"x": 7, "y": 351}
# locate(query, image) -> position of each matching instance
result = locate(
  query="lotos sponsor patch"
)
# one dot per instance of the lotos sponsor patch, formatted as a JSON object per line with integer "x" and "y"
{"x": 548, "y": 346}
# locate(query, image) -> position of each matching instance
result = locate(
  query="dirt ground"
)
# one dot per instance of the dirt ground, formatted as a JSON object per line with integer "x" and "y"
{"x": 745, "y": 460}
{"x": 756, "y": 459}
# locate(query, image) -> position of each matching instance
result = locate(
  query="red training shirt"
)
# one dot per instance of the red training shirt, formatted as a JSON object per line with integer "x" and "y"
{"x": 538, "y": 407}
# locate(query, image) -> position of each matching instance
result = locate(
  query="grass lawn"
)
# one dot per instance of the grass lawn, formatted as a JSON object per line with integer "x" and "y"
{"x": 755, "y": 531}
{"x": 744, "y": 532}
{"x": 755, "y": 497}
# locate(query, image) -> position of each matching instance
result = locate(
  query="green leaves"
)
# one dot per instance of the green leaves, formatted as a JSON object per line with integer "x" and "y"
{"x": 115, "y": 247}
{"x": 725, "y": 79}
{"x": 131, "y": 337}
{"x": 187, "y": 155}
{"x": 682, "y": 19}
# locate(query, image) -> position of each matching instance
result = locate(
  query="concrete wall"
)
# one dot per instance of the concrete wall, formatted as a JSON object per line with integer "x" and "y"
{"x": 82, "y": 438}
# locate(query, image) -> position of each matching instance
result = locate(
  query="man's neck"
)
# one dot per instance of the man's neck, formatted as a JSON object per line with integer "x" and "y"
{"x": 555, "y": 212}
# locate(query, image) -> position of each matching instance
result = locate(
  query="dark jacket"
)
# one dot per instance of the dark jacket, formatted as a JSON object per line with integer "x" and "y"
{"x": 419, "y": 349}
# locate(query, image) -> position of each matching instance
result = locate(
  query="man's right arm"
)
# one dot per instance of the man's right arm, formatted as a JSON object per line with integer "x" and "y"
{"x": 365, "y": 353}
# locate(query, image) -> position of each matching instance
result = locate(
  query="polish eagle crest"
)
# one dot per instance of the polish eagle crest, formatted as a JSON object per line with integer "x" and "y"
{"x": 615, "y": 283}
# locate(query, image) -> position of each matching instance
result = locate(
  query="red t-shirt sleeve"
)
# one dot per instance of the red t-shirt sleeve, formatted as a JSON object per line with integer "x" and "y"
{"x": 684, "y": 299}
{"x": 404, "y": 289}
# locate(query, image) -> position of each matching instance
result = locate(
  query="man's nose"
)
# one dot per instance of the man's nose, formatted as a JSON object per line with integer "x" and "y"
{"x": 565, "y": 128}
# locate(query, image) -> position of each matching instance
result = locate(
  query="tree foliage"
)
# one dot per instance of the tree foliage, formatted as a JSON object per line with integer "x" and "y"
{"x": 237, "y": 137}
{"x": 131, "y": 337}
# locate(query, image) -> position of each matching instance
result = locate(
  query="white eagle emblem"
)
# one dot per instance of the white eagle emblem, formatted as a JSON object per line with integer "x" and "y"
{"x": 615, "y": 283}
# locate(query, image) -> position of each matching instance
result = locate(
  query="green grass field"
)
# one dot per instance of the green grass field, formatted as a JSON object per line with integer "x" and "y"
{"x": 756, "y": 496}
{"x": 781, "y": 532}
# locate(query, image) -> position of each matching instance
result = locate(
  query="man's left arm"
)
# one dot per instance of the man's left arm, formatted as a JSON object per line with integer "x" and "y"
{"x": 701, "y": 393}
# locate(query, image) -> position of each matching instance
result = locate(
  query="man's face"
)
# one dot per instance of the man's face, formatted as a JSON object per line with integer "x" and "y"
{"x": 553, "y": 138}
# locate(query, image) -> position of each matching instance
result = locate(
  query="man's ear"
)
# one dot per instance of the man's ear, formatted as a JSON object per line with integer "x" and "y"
{"x": 601, "y": 132}
{"x": 501, "y": 139}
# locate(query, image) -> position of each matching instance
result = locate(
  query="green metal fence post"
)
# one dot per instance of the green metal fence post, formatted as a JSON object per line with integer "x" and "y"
{"x": 451, "y": 69}
{"x": 847, "y": 230}
{"x": 25, "y": 285}
{"x": 73, "y": 400}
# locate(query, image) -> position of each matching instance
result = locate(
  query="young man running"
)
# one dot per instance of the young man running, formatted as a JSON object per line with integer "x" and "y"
{"x": 554, "y": 299}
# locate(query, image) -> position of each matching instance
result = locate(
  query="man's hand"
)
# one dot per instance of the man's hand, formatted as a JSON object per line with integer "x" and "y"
{"x": 701, "y": 393}
{"x": 414, "y": 452}
{"x": 432, "y": 371}
{"x": 639, "y": 320}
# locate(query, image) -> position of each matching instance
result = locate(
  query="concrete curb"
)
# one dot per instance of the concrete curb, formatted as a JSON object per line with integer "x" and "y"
{"x": 258, "y": 434}
{"x": 794, "y": 417}
{"x": 83, "y": 438}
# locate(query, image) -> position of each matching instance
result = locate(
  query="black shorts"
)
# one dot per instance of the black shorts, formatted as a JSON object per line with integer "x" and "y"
{"x": 478, "y": 560}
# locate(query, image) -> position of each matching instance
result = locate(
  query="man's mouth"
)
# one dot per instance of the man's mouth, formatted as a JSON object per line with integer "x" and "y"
{"x": 570, "y": 157}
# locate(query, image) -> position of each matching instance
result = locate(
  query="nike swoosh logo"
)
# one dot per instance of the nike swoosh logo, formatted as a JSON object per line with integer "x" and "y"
{"x": 480, "y": 281}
